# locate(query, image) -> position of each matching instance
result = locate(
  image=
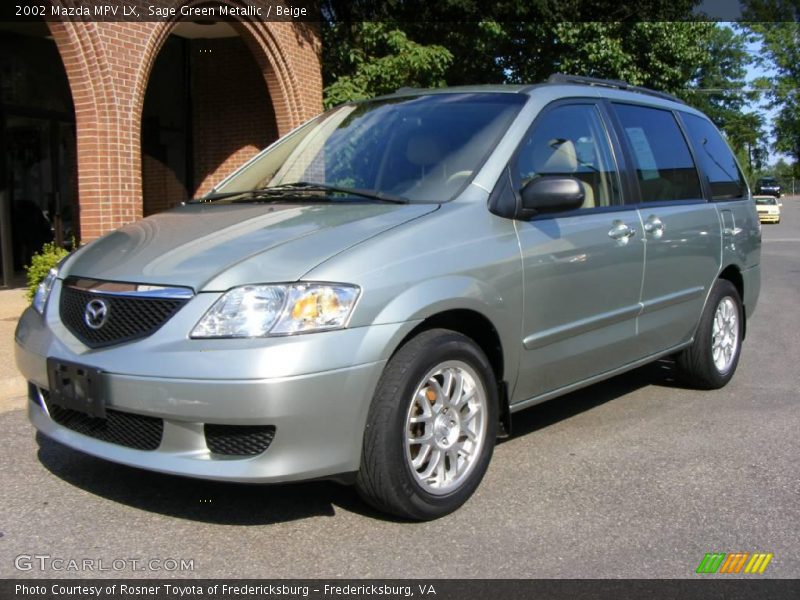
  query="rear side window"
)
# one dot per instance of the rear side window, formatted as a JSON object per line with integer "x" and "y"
{"x": 716, "y": 159}
{"x": 664, "y": 165}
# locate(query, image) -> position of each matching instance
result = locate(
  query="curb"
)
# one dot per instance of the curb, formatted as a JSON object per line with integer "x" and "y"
{"x": 12, "y": 388}
{"x": 13, "y": 385}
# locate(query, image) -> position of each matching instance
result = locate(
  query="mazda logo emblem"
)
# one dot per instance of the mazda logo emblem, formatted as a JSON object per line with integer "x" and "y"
{"x": 96, "y": 313}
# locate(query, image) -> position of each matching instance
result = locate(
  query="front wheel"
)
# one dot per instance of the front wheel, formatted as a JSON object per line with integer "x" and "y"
{"x": 431, "y": 427}
{"x": 711, "y": 360}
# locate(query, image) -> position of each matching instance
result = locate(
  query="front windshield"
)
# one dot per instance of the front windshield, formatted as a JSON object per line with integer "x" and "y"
{"x": 420, "y": 148}
{"x": 766, "y": 201}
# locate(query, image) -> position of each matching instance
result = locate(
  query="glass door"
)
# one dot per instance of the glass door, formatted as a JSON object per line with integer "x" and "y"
{"x": 40, "y": 185}
{"x": 30, "y": 185}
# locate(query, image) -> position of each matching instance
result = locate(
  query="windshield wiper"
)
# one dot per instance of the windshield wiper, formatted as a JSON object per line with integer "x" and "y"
{"x": 214, "y": 196}
{"x": 310, "y": 186}
{"x": 300, "y": 187}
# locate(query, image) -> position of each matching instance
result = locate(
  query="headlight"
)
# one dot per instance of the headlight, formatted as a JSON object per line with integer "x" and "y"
{"x": 263, "y": 310}
{"x": 43, "y": 291}
{"x": 316, "y": 307}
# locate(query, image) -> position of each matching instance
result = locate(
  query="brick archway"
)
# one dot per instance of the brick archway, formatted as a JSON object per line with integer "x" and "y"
{"x": 108, "y": 66}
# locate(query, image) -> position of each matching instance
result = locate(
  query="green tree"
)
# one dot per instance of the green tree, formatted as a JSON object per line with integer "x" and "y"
{"x": 374, "y": 48}
{"x": 370, "y": 48}
{"x": 658, "y": 55}
{"x": 745, "y": 131}
{"x": 524, "y": 41}
{"x": 787, "y": 173}
{"x": 377, "y": 59}
{"x": 718, "y": 85}
{"x": 775, "y": 25}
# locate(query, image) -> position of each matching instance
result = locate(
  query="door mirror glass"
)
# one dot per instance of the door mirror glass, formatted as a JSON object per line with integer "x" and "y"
{"x": 551, "y": 194}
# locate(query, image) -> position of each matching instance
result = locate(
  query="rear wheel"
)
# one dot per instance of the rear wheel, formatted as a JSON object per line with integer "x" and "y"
{"x": 431, "y": 427}
{"x": 711, "y": 360}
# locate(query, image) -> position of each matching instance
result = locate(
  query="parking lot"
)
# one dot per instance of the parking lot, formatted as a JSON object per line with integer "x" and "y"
{"x": 633, "y": 477}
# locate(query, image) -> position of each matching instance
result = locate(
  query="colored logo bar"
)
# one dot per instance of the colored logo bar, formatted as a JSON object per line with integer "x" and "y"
{"x": 737, "y": 562}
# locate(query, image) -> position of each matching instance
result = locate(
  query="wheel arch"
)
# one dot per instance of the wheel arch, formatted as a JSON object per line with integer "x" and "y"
{"x": 733, "y": 274}
{"x": 480, "y": 329}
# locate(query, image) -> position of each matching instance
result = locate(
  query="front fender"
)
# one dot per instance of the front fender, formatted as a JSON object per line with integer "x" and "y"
{"x": 432, "y": 298}
{"x": 460, "y": 257}
{"x": 428, "y": 298}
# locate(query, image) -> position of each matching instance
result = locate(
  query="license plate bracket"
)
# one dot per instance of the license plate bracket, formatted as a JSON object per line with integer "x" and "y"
{"x": 76, "y": 387}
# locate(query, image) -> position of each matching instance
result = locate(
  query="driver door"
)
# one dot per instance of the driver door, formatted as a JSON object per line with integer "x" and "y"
{"x": 583, "y": 269}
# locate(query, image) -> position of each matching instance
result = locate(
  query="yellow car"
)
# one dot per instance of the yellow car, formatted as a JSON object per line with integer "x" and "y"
{"x": 769, "y": 210}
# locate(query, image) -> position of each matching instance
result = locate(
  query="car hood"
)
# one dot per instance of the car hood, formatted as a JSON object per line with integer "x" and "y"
{"x": 213, "y": 247}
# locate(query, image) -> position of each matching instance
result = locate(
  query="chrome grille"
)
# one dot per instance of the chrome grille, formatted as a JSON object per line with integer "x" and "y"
{"x": 131, "y": 314}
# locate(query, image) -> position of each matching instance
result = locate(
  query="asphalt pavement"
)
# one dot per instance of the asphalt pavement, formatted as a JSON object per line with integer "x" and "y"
{"x": 633, "y": 477}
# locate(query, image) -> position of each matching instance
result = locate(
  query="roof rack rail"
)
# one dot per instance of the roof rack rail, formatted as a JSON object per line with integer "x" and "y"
{"x": 561, "y": 78}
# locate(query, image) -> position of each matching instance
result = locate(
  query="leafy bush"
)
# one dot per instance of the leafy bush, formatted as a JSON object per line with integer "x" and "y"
{"x": 40, "y": 266}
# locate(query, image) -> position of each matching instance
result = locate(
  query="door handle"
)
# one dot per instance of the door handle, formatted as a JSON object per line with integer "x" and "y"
{"x": 654, "y": 226}
{"x": 621, "y": 232}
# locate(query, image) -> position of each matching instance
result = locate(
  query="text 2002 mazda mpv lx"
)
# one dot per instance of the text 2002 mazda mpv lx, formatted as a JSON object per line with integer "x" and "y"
{"x": 372, "y": 297}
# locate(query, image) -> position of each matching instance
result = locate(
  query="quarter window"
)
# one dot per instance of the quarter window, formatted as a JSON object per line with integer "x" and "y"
{"x": 720, "y": 168}
{"x": 571, "y": 141}
{"x": 664, "y": 165}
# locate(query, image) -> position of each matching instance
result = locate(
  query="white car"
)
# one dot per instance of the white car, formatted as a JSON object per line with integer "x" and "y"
{"x": 768, "y": 208}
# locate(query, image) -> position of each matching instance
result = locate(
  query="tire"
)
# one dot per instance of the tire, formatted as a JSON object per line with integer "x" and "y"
{"x": 422, "y": 481}
{"x": 711, "y": 360}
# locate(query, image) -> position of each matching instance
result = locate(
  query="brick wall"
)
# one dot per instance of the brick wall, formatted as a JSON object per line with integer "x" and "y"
{"x": 231, "y": 109}
{"x": 108, "y": 65}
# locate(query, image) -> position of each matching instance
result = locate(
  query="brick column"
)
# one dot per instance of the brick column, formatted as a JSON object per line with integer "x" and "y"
{"x": 108, "y": 67}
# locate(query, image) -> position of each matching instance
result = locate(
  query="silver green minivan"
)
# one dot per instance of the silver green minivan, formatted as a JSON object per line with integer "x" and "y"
{"x": 374, "y": 296}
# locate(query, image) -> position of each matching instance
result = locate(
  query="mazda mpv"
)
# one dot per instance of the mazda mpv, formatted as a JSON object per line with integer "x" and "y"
{"x": 374, "y": 296}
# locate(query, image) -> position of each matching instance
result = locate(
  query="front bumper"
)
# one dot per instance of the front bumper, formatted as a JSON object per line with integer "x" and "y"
{"x": 318, "y": 420}
{"x": 318, "y": 414}
{"x": 764, "y": 218}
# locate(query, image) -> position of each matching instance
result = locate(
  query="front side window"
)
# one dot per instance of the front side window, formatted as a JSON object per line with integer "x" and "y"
{"x": 419, "y": 148}
{"x": 571, "y": 141}
{"x": 664, "y": 165}
{"x": 719, "y": 166}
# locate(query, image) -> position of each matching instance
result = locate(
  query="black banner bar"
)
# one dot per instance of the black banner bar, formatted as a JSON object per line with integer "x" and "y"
{"x": 340, "y": 11}
{"x": 721, "y": 588}
{"x": 137, "y": 11}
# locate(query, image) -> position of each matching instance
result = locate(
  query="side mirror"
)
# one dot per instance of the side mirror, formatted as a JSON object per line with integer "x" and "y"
{"x": 551, "y": 193}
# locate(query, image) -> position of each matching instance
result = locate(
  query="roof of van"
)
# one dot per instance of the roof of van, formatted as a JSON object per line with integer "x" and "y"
{"x": 557, "y": 79}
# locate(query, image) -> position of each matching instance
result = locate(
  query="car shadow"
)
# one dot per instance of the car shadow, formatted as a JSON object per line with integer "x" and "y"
{"x": 215, "y": 502}
{"x": 226, "y": 503}
{"x": 660, "y": 373}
